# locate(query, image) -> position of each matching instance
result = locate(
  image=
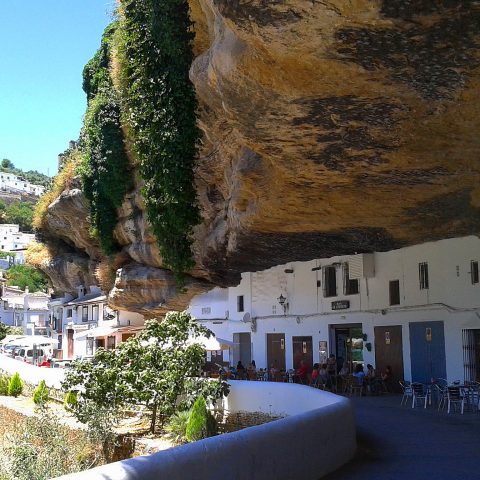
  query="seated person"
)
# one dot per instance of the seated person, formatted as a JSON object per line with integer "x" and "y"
{"x": 323, "y": 378}
{"x": 316, "y": 367}
{"x": 387, "y": 378}
{"x": 274, "y": 373}
{"x": 332, "y": 365}
{"x": 303, "y": 373}
{"x": 359, "y": 374}
{"x": 371, "y": 379}
{"x": 252, "y": 371}
{"x": 241, "y": 371}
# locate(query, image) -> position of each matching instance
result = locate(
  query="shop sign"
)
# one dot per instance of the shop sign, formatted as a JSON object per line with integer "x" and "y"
{"x": 340, "y": 304}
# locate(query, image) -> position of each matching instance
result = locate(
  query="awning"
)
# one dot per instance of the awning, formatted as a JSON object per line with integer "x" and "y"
{"x": 213, "y": 343}
{"x": 106, "y": 331}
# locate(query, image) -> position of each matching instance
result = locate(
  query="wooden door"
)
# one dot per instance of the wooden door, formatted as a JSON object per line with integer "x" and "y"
{"x": 276, "y": 350}
{"x": 389, "y": 352}
{"x": 70, "y": 343}
{"x": 302, "y": 350}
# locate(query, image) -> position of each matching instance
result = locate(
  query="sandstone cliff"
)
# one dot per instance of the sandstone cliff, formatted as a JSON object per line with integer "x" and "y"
{"x": 329, "y": 127}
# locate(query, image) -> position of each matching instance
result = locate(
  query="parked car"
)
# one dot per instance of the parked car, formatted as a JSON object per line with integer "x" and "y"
{"x": 55, "y": 363}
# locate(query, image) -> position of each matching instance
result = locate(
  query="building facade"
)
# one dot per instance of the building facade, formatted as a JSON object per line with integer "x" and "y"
{"x": 85, "y": 323}
{"x": 12, "y": 183}
{"x": 14, "y": 242}
{"x": 416, "y": 309}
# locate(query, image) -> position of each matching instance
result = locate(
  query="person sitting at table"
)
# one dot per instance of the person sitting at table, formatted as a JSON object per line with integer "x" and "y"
{"x": 332, "y": 365}
{"x": 323, "y": 379}
{"x": 314, "y": 377}
{"x": 252, "y": 371}
{"x": 387, "y": 378}
{"x": 303, "y": 373}
{"x": 241, "y": 371}
{"x": 359, "y": 374}
{"x": 371, "y": 379}
{"x": 274, "y": 373}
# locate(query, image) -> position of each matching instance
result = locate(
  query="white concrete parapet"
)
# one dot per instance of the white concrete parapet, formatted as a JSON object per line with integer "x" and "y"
{"x": 31, "y": 373}
{"x": 316, "y": 438}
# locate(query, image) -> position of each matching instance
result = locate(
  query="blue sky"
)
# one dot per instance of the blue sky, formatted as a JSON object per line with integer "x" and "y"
{"x": 44, "y": 45}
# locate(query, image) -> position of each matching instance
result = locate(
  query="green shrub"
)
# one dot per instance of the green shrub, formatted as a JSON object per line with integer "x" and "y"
{"x": 4, "y": 382}
{"x": 71, "y": 400}
{"x": 40, "y": 395}
{"x": 201, "y": 423}
{"x": 15, "y": 386}
{"x": 177, "y": 426}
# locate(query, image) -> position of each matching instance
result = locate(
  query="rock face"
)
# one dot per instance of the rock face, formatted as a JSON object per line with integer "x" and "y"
{"x": 329, "y": 127}
{"x": 334, "y": 127}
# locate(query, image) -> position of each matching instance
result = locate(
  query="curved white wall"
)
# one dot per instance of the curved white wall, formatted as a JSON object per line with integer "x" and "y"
{"x": 316, "y": 439}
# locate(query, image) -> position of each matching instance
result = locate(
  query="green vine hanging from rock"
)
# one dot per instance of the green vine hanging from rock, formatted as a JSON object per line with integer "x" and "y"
{"x": 105, "y": 167}
{"x": 154, "y": 43}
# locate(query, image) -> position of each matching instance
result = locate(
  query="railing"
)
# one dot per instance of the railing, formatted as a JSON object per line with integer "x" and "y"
{"x": 316, "y": 438}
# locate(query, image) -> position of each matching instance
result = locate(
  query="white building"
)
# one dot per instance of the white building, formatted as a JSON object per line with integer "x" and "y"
{"x": 12, "y": 183}
{"x": 85, "y": 323}
{"x": 15, "y": 242}
{"x": 416, "y": 309}
{"x": 24, "y": 309}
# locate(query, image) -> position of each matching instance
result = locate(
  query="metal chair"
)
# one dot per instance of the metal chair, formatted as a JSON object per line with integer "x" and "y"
{"x": 419, "y": 395}
{"x": 455, "y": 397}
{"x": 440, "y": 393}
{"x": 407, "y": 391}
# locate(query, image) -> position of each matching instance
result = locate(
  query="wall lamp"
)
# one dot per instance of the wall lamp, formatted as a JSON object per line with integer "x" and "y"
{"x": 283, "y": 302}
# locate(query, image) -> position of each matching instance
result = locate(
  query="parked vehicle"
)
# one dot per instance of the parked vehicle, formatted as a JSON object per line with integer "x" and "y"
{"x": 26, "y": 354}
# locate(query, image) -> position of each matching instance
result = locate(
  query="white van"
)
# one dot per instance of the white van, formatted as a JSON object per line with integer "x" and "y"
{"x": 25, "y": 354}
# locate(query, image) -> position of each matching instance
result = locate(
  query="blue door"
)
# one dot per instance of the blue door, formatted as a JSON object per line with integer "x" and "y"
{"x": 427, "y": 351}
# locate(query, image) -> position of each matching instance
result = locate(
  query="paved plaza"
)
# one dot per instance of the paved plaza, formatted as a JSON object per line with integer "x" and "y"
{"x": 398, "y": 442}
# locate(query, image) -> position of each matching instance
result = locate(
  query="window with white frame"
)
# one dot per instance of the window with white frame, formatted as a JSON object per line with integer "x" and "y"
{"x": 423, "y": 275}
{"x": 90, "y": 342}
{"x": 95, "y": 313}
{"x": 85, "y": 314}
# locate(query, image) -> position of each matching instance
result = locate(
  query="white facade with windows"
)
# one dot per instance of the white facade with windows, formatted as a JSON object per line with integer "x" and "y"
{"x": 10, "y": 182}
{"x": 85, "y": 323}
{"x": 15, "y": 242}
{"x": 423, "y": 299}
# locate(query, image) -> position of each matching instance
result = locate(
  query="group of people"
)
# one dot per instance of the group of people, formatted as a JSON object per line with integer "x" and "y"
{"x": 241, "y": 373}
{"x": 371, "y": 381}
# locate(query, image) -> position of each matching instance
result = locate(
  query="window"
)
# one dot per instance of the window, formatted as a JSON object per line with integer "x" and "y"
{"x": 329, "y": 281}
{"x": 240, "y": 305}
{"x": 95, "y": 313}
{"x": 69, "y": 313}
{"x": 474, "y": 271}
{"x": 423, "y": 275}
{"x": 206, "y": 310}
{"x": 350, "y": 285}
{"x": 110, "y": 342}
{"x": 90, "y": 345}
{"x": 85, "y": 314}
{"x": 394, "y": 292}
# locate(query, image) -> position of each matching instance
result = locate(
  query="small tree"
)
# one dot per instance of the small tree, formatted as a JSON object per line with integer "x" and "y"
{"x": 157, "y": 369}
{"x": 201, "y": 423}
{"x": 3, "y": 331}
{"x": 15, "y": 385}
{"x": 4, "y": 382}
{"x": 41, "y": 394}
{"x": 70, "y": 401}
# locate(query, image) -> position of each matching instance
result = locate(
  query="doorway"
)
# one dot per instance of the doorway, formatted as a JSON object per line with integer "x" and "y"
{"x": 242, "y": 348}
{"x": 302, "y": 350}
{"x": 389, "y": 352}
{"x": 276, "y": 350}
{"x": 348, "y": 344}
{"x": 70, "y": 343}
{"x": 427, "y": 351}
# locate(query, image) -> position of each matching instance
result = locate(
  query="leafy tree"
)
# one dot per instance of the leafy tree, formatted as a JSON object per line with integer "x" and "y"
{"x": 4, "y": 382}
{"x": 157, "y": 369}
{"x": 6, "y": 163}
{"x": 3, "y": 331}
{"x": 20, "y": 213}
{"x": 26, "y": 276}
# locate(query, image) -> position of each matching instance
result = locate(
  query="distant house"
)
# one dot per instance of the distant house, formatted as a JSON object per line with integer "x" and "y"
{"x": 12, "y": 183}
{"x": 15, "y": 242}
{"x": 20, "y": 308}
{"x": 85, "y": 323}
